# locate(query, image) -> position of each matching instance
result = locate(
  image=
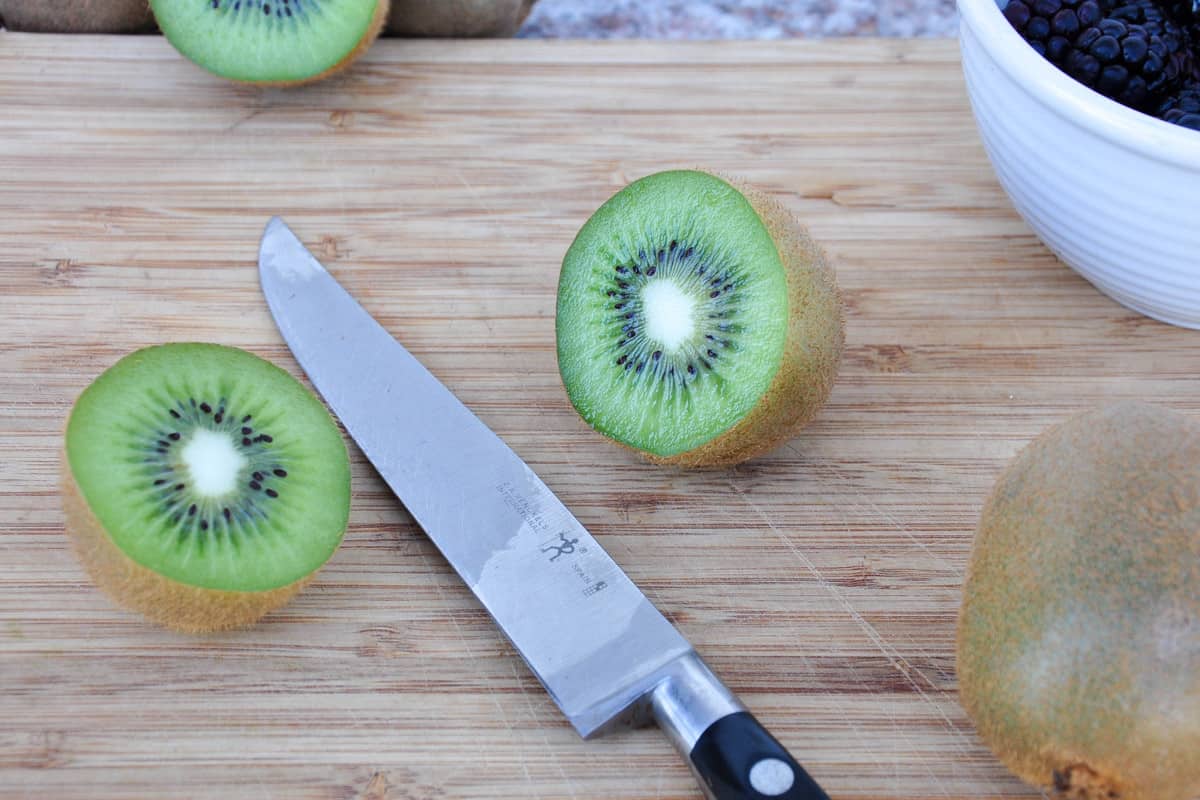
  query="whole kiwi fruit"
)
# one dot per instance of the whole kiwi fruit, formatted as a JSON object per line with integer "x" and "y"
{"x": 203, "y": 486}
{"x": 697, "y": 321}
{"x": 77, "y": 16}
{"x": 457, "y": 18}
{"x": 1079, "y": 634}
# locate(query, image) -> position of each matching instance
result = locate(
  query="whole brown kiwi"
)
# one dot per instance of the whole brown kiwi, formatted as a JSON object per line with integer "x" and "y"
{"x": 77, "y": 16}
{"x": 457, "y": 18}
{"x": 1079, "y": 635}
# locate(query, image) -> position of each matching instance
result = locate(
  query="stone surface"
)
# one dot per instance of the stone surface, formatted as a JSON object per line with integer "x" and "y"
{"x": 739, "y": 19}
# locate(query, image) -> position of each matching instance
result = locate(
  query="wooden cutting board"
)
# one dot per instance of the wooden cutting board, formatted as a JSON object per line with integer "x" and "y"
{"x": 442, "y": 182}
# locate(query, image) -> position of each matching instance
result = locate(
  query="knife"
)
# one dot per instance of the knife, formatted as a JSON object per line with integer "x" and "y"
{"x": 603, "y": 652}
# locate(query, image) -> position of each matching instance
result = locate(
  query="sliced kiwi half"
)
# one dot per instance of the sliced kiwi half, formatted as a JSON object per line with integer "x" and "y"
{"x": 271, "y": 42}
{"x": 203, "y": 485}
{"x": 697, "y": 321}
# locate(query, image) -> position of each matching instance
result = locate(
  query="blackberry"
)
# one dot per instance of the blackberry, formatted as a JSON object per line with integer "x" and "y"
{"x": 1049, "y": 26}
{"x": 1183, "y": 12}
{"x": 1183, "y": 108}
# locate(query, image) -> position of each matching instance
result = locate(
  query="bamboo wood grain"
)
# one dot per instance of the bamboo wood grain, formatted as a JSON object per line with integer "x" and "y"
{"x": 441, "y": 182}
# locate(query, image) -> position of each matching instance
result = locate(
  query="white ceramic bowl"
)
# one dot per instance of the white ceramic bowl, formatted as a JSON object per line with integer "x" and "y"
{"x": 1114, "y": 193}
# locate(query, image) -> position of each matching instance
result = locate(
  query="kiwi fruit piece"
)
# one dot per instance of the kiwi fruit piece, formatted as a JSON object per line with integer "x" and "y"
{"x": 203, "y": 486}
{"x": 271, "y": 42}
{"x": 1079, "y": 635}
{"x": 697, "y": 322}
{"x": 457, "y": 18}
{"x": 77, "y": 16}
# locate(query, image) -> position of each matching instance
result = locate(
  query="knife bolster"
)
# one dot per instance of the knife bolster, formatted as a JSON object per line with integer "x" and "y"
{"x": 688, "y": 700}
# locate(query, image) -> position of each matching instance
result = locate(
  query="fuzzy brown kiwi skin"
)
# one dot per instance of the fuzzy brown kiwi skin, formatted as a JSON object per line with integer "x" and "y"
{"x": 811, "y": 356}
{"x": 457, "y": 18}
{"x": 77, "y": 16}
{"x": 175, "y": 605}
{"x": 1078, "y": 646}
{"x": 377, "y": 21}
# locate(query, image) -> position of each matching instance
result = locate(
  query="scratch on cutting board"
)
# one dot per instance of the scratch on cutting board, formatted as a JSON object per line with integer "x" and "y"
{"x": 502, "y": 229}
{"x": 894, "y": 657}
{"x": 901, "y": 731}
{"x": 553, "y": 751}
{"x": 490, "y": 687}
{"x": 868, "y": 503}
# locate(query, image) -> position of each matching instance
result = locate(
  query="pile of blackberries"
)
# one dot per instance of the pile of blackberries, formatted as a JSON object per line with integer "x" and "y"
{"x": 1144, "y": 54}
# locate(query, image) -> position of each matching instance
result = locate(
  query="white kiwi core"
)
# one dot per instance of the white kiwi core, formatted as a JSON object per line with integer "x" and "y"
{"x": 213, "y": 463}
{"x": 669, "y": 314}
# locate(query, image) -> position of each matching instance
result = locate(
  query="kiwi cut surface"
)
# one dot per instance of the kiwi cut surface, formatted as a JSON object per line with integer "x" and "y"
{"x": 271, "y": 42}
{"x": 203, "y": 485}
{"x": 1079, "y": 636}
{"x": 697, "y": 322}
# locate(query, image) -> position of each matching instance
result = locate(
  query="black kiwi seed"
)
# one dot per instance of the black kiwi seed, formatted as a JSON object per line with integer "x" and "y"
{"x": 192, "y": 510}
{"x": 206, "y": 408}
{"x": 246, "y": 442}
{"x": 247, "y": 431}
{"x": 227, "y": 514}
{"x": 174, "y": 413}
{"x": 281, "y": 473}
{"x": 272, "y": 493}
{"x": 174, "y": 436}
{"x": 255, "y": 485}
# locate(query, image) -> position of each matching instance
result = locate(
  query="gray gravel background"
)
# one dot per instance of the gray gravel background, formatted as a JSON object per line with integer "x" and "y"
{"x": 739, "y": 19}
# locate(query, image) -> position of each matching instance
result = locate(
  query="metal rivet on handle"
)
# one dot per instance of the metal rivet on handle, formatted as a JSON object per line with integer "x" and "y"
{"x": 771, "y": 777}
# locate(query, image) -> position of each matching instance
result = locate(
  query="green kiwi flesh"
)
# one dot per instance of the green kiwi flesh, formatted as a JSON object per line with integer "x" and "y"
{"x": 673, "y": 316}
{"x": 211, "y": 467}
{"x": 1079, "y": 634}
{"x": 270, "y": 41}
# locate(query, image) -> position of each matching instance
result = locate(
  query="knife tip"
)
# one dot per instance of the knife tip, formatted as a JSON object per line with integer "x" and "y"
{"x": 274, "y": 224}
{"x": 282, "y": 255}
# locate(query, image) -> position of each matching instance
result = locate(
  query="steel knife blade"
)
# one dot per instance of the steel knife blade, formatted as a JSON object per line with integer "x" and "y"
{"x": 603, "y": 652}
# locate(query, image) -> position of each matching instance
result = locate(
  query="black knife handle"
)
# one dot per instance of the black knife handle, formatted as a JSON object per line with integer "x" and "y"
{"x": 737, "y": 759}
{"x": 729, "y": 751}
